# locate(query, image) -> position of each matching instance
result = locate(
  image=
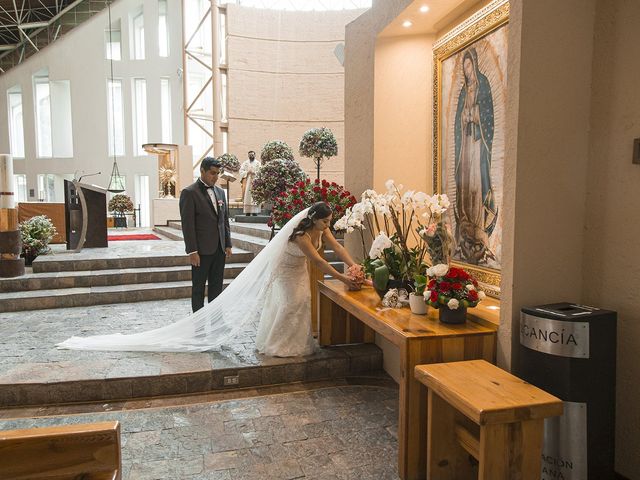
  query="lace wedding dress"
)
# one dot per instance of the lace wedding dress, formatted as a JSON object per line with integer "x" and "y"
{"x": 285, "y": 324}
{"x": 273, "y": 289}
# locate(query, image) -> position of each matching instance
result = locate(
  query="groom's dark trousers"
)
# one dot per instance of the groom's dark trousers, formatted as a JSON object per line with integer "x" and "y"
{"x": 205, "y": 229}
{"x": 211, "y": 270}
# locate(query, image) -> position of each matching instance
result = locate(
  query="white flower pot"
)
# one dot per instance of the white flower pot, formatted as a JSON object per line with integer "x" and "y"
{"x": 417, "y": 304}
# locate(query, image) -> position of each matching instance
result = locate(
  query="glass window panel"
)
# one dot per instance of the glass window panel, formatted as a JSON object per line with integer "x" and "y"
{"x": 163, "y": 29}
{"x": 113, "y": 42}
{"x": 138, "y": 36}
{"x": 43, "y": 116}
{"x": 223, "y": 96}
{"x": 16, "y": 128}
{"x": 20, "y": 187}
{"x": 165, "y": 109}
{"x": 115, "y": 117}
{"x": 139, "y": 115}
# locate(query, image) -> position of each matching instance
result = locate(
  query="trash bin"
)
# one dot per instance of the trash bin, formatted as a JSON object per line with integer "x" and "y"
{"x": 569, "y": 350}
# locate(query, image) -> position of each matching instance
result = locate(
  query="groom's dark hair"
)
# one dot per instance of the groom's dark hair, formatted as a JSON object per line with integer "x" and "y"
{"x": 317, "y": 211}
{"x": 208, "y": 162}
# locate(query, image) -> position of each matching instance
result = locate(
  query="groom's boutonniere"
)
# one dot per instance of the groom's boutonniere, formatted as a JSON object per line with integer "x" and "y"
{"x": 220, "y": 203}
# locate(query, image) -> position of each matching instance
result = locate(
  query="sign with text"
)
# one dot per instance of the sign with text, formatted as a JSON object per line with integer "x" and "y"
{"x": 556, "y": 337}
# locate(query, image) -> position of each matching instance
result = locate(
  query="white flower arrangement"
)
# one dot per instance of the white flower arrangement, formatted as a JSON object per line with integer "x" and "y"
{"x": 379, "y": 244}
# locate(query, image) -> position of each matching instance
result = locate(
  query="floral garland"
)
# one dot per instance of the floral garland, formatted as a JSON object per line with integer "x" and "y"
{"x": 318, "y": 143}
{"x": 276, "y": 149}
{"x": 229, "y": 162}
{"x": 275, "y": 177}
{"x": 304, "y": 194}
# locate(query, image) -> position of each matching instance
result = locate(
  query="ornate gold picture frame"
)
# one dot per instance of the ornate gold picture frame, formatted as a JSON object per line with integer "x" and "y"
{"x": 469, "y": 90}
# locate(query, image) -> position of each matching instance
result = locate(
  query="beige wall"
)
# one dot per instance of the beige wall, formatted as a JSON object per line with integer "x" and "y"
{"x": 403, "y": 102}
{"x": 285, "y": 79}
{"x": 611, "y": 259}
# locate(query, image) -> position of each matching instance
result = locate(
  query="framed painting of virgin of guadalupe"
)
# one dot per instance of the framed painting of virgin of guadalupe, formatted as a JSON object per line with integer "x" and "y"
{"x": 470, "y": 81}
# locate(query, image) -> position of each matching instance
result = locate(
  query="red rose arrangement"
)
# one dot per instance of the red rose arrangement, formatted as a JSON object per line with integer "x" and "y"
{"x": 305, "y": 193}
{"x": 452, "y": 287}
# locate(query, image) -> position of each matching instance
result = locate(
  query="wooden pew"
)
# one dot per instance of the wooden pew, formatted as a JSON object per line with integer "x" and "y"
{"x": 508, "y": 412}
{"x": 355, "y": 317}
{"x": 87, "y": 451}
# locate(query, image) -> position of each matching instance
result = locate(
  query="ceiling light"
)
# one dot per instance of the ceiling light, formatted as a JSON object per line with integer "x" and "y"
{"x": 407, "y": 23}
{"x": 424, "y": 9}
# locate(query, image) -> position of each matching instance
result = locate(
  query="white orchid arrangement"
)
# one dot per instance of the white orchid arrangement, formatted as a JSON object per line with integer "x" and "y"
{"x": 394, "y": 220}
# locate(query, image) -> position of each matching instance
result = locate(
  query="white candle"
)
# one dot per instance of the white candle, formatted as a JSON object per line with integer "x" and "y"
{"x": 7, "y": 196}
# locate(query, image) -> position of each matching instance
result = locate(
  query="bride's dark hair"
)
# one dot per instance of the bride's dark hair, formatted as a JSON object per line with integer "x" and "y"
{"x": 317, "y": 211}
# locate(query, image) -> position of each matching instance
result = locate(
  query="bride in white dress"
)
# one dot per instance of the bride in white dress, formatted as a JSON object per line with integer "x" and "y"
{"x": 273, "y": 288}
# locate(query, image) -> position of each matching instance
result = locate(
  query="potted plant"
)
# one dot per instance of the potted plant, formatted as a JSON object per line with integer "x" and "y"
{"x": 394, "y": 221}
{"x": 417, "y": 302}
{"x": 452, "y": 290}
{"x": 319, "y": 144}
{"x": 305, "y": 193}
{"x": 276, "y": 149}
{"x": 120, "y": 204}
{"x": 36, "y": 233}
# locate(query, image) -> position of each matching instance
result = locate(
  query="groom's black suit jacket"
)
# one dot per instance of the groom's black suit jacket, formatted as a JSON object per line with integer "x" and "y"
{"x": 203, "y": 228}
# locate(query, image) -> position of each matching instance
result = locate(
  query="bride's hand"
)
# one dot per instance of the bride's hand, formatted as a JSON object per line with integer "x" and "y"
{"x": 350, "y": 282}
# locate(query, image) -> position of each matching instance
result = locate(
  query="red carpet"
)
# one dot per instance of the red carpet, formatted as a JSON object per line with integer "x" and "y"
{"x": 139, "y": 236}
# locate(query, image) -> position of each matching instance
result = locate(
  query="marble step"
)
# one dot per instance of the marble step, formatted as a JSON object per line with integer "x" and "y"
{"x": 69, "y": 262}
{"x": 246, "y": 237}
{"x": 103, "y": 278}
{"x": 99, "y": 295}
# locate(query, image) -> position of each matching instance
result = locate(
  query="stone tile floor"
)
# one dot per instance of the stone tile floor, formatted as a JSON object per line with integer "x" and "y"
{"x": 28, "y": 352}
{"x": 334, "y": 433}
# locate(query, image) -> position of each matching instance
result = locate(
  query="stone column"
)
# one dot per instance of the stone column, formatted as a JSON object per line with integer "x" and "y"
{"x": 11, "y": 265}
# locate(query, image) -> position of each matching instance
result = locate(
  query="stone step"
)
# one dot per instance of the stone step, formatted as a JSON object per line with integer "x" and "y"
{"x": 103, "y": 278}
{"x": 257, "y": 219}
{"x": 255, "y": 230}
{"x": 102, "y": 295}
{"x": 67, "y": 262}
{"x": 247, "y": 237}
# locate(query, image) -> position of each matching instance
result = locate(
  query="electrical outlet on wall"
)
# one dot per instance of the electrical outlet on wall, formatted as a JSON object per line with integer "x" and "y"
{"x": 231, "y": 380}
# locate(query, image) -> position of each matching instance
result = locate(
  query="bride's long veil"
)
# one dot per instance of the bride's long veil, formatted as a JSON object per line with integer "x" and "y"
{"x": 238, "y": 306}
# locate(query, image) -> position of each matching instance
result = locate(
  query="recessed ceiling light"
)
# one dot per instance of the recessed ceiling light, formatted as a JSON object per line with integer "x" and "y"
{"x": 407, "y": 23}
{"x": 424, "y": 9}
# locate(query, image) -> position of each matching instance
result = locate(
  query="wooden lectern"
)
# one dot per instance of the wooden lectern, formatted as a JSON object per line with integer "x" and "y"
{"x": 85, "y": 215}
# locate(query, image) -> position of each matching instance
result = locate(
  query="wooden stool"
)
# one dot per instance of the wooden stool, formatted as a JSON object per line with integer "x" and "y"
{"x": 88, "y": 451}
{"x": 509, "y": 412}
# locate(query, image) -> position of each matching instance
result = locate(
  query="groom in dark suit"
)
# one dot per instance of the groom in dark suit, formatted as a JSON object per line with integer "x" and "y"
{"x": 205, "y": 227}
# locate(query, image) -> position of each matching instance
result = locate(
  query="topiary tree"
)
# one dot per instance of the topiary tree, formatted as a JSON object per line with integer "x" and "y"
{"x": 229, "y": 162}
{"x": 275, "y": 177}
{"x": 276, "y": 149}
{"x": 319, "y": 144}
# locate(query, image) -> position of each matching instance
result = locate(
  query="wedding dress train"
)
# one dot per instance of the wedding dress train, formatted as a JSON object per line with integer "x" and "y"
{"x": 273, "y": 290}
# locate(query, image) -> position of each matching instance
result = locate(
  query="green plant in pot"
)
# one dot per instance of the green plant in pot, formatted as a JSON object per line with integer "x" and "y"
{"x": 36, "y": 233}
{"x": 417, "y": 302}
{"x": 394, "y": 222}
{"x": 120, "y": 204}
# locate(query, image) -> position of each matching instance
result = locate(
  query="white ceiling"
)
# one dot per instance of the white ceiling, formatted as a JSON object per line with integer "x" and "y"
{"x": 441, "y": 13}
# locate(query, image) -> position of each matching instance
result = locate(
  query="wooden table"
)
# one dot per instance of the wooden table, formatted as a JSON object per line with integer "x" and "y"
{"x": 355, "y": 317}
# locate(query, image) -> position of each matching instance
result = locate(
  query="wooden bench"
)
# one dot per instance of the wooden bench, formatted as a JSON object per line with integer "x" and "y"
{"x": 355, "y": 317}
{"x": 89, "y": 451}
{"x": 508, "y": 412}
